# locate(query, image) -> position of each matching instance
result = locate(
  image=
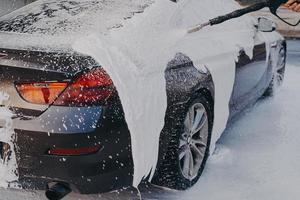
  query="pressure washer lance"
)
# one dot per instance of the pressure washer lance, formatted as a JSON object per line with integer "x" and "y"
{"x": 272, "y": 4}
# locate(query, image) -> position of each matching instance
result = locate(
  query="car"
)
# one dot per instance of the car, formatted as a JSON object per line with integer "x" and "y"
{"x": 68, "y": 120}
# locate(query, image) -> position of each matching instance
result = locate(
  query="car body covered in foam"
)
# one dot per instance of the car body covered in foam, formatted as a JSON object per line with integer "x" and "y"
{"x": 98, "y": 88}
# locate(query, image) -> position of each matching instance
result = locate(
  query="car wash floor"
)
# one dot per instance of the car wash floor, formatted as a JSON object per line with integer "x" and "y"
{"x": 257, "y": 157}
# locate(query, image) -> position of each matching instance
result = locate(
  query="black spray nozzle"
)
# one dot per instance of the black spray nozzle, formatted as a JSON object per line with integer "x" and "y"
{"x": 238, "y": 13}
{"x": 273, "y": 5}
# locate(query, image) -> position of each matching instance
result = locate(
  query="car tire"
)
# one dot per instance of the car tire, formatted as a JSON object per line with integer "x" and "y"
{"x": 278, "y": 75}
{"x": 188, "y": 149}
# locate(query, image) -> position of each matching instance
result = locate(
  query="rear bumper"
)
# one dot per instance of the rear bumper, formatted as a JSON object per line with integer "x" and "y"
{"x": 109, "y": 169}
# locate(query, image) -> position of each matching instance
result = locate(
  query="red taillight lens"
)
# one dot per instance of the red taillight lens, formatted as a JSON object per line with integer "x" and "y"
{"x": 88, "y": 89}
{"x": 41, "y": 92}
{"x": 74, "y": 151}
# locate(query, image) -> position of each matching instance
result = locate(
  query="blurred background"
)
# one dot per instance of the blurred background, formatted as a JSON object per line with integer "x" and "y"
{"x": 7, "y": 6}
{"x": 284, "y": 29}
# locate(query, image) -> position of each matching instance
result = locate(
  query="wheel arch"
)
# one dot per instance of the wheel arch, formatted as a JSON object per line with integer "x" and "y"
{"x": 208, "y": 94}
{"x": 181, "y": 93}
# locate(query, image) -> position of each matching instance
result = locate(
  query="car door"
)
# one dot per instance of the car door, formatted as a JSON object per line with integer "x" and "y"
{"x": 222, "y": 42}
{"x": 217, "y": 48}
{"x": 251, "y": 75}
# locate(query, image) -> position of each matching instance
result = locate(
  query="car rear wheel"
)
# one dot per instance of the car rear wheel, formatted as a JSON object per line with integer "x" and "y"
{"x": 189, "y": 147}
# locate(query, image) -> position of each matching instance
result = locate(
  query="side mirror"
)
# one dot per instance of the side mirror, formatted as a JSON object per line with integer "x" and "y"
{"x": 283, "y": 15}
{"x": 288, "y": 17}
{"x": 265, "y": 25}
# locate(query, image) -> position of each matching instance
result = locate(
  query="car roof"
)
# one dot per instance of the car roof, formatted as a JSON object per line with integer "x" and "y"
{"x": 57, "y": 17}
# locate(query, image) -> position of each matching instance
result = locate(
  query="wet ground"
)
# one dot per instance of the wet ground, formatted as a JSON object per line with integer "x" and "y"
{"x": 258, "y": 156}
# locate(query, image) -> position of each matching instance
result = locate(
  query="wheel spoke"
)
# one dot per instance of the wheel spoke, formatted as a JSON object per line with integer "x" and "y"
{"x": 182, "y": 143}
{"x": 186, "y": 164}
{"x": 201, "y": 124}
{"x": 188, "y": 122}
{"x": 198, "y": 153}
{"x": 183, "y": 151}
{"x": 191, "y": 168}
{"x": 198, "y": 120}
{"x": 199, "y": 142}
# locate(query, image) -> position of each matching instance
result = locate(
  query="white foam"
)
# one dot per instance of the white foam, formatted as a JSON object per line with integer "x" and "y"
{"x": 8, "y": 168}
{"x": 136, "y": 56}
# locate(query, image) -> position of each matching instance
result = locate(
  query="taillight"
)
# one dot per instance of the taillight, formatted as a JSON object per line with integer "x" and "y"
{"x": 90, "y": 88}
{"x": 40, "y": 92}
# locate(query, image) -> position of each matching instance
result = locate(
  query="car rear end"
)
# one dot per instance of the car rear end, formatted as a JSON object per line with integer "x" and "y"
{"x": 68, "y": 121}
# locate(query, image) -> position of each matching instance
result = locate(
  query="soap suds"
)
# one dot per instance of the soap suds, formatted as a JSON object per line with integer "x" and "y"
{"x": 136, "y": 56}
{"x": 135, "y": 50}
{"x": 8, "y": 164}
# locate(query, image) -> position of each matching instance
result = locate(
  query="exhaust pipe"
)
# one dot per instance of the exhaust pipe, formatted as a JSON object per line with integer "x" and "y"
{"x": 58, "y": 191}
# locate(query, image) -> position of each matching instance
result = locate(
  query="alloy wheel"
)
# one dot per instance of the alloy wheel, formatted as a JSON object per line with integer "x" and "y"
{"x": 193, "y": 141}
